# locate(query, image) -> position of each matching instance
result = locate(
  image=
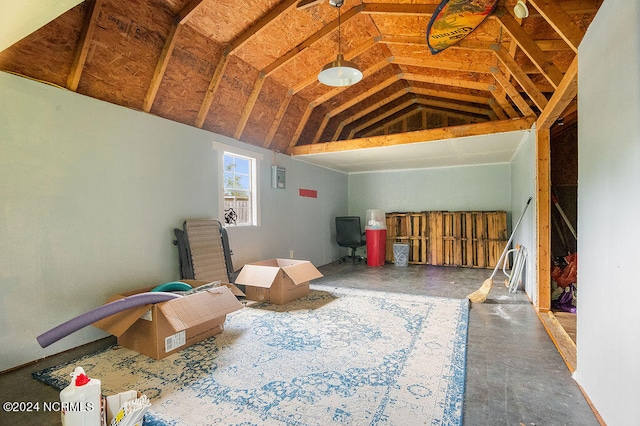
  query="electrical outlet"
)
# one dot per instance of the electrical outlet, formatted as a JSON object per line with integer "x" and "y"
{"x": 290, "y": 254}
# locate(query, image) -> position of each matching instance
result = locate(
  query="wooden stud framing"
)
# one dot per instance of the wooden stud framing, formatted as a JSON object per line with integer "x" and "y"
{"x": 355, "y": 100}
{"x": 543, "y": 217}
{"x": 560, "y": 21}
{"x": 278, "y": 118}
{"x": 161, "y": 67}
{"x": 83, "y": 44}
{"x": 275, "y": 65}
{"x": 238, "y": 42}
{"x": 565, "y": 94}
{"x": 521, "y": 77}
{"x": 513, "y": 93}
{"x": 530, "y": 48}
{"x": 368, "y": 110}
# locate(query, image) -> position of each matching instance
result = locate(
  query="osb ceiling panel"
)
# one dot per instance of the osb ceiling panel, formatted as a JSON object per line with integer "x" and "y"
{"x": 248, "y": 69}
{"x": 222, "y": 21}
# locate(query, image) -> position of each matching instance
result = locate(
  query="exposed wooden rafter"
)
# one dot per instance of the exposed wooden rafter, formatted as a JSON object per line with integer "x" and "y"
{"x": 218, "y": 65}
{"x": 82, "y": 50}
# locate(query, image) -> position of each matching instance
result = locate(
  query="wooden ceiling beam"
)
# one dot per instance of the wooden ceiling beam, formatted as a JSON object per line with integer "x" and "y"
{"x": 248, "y": 107}
{"x": 161, "y": 66}
{"x": 444, "y": 65}
{"x": 238, "y": 42}
{"x": 529, "y": 47}
{"x": 497, "y": 109}
{"x": 264, "y": 22}
{"x": 336, "y": 91}
{"x": 77, "y": 66}
{"x": 167, "y": 50}
{"x": 318, "y": 135}
{"x": 560, "y": 21}
{"x": 400, "y": 119}
{"x": 446, "y": 81}
{"x": 429, "y": 135}
{"x": 324, "y": 31}
{"x": 364, "y": 95}
{"x": 188, "y": 11}
{"x": 545, "y": 45}
{"x": 424, "y": 92}
{"x": 521, "y": 77}
{"x": 381, "y": 117}
{"x": 277, "y": 120}
{"x": 455, "y": 106}
{"x": 512, "y": 92}
{"x": 211, "y": 91}
{"x": 399, "y": 9}
{"x": 562, "y": 97}
{"x": 301, "y": 124}
{"x": 349, "y": 56}
{"x": 354, "y": 101}
{"x": 368, "y": 110}
{"x": 450, "y": 95}
{"x": 501, "y": 98}
{"x": 425, "y": 109}
{"x": 333, "y": 92}
{"x": 378, "y": 66}
{"x": 275, "y": 65}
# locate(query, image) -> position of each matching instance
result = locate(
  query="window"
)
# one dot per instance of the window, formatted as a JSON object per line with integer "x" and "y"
{"x": 239, "y": 180}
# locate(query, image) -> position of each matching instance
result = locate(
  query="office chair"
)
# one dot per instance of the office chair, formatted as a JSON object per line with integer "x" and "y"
{"x": 349, "y": 234}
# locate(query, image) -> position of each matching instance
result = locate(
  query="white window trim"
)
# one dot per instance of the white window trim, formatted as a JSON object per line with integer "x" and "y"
{"x": 255, "y": 193}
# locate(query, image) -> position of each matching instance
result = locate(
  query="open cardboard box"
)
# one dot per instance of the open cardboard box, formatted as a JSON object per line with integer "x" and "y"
{"x": 277, "y": 280}
{"x": 161, "y": 329}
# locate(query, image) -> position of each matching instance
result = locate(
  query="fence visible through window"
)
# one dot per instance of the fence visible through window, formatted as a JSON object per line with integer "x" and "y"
{"x": 237, "y": 211}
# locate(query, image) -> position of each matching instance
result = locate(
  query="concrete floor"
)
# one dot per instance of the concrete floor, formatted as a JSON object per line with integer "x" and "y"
{"x": 515, "y": 375}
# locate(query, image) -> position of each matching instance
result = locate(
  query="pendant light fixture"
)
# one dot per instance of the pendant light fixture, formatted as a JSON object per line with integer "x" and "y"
{"x": 339, "y": 73}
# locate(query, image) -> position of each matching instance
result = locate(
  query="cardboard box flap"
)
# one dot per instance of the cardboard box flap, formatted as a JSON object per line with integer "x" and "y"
{"x": 257, "y": 275}
{"x": 302, "y": 272}
{"x": 199, "y": 308}
{"x": 118, "y": 323}
{"x": 198, "y": 283}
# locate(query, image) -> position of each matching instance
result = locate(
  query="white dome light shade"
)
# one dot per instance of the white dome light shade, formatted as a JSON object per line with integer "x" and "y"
{"x": 340, "y": 73}
{"x": 521, "y": 10}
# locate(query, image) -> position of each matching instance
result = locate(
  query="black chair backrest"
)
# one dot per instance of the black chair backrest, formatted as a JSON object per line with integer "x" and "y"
{"x": 348, "y": 231}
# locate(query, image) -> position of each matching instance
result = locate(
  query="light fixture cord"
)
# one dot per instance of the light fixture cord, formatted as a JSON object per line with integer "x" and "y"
{"x": 339, "y": 40}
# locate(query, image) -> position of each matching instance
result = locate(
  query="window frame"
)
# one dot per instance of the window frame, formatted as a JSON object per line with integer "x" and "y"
{"x": 253, "y": 159}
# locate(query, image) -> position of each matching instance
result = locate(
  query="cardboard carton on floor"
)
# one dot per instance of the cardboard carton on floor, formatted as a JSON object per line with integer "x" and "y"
{"x": 161, "y": 329}
{"x": 277, "y": 280}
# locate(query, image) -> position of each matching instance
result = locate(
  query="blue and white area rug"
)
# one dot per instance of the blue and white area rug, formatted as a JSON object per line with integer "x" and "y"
{"x": 335, "y": 357}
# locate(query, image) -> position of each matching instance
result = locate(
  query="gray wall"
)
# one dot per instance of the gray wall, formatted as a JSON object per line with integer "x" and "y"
{"x": 90, "y": 193}
{"x": 609, "y": 212}
{"x": 465, "y": 188}
{"x": 523, "y": 186}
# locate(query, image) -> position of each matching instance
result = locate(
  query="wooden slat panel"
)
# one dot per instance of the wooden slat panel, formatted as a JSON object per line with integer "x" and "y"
{"x": 435, "y": 238}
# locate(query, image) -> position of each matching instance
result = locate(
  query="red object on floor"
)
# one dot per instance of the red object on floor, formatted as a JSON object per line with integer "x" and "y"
{"x": 376, "y": 246}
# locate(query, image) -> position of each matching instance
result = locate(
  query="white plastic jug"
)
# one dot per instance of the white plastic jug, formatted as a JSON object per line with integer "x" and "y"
{"x": 80, "y": 401}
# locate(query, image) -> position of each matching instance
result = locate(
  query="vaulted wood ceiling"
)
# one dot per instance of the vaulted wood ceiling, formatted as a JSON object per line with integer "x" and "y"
{"x": 248, "y": 68}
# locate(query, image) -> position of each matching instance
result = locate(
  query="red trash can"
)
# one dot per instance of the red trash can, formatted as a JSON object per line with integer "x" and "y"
{"x": 376, "y": 231}
{"x": 376, "y": 246}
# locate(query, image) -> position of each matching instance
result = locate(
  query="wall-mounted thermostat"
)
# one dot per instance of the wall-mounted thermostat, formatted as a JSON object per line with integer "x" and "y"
{"x": 278, "y": 177}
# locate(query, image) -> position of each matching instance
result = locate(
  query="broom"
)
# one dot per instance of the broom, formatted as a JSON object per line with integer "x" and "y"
{"x": 480, "y": 295}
